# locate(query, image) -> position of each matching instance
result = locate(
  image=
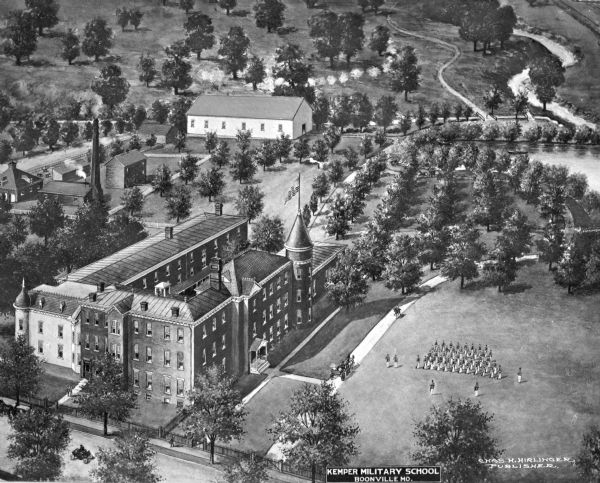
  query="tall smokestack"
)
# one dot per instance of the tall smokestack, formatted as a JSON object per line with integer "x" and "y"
{"x": 95, "y": 168}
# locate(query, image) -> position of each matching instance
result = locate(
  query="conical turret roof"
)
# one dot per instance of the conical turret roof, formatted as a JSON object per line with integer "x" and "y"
{"x": 23, "y": 300}
{"x": 298, "y": 238}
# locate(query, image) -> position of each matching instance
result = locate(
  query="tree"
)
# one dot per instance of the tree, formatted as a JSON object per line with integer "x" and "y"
{"x": 211, "y": 183}
{"x": 106, "y": 394}
{"x": 421, "y": 116}
{"x": 210, "y": 141}
{"x": 362, "y": 112}
{"x": 320, "y": 110}
{"x": 132, "y": 460}
{"x": 179, "y": 203}
{"x": 135, "y": 17}
{"x": 269, "y": 14}
{"x": 380, "y": 138}
{"x": 336, "y": 172}
{"x": 52, "y": 133}
{"x": 44, "y": 14}
{"x": 21, "y": 35}
{"x": 505, "y": 22}
{"x": 69, "y": 132}
{"x": 306, "y": 214}
{"x": 176, "y": 69}
{"x": 366, "y": 146}
{"x": 577, "y": 186}
{"x": 338, "y": 220}
{"x": 266, "y": 155}
{"x": 283, "y": 147}
{"x": 267, "y": 234}
{"x": 132, "y": 200}
{"x": 295, "y": 72}
{"x": 320, "y": 185}
{"x": 493, "y": 98}
{"x": 97, "y": 39}
{"x": 187, "y": 5}
{"x": 246, "y": 470}
{"x": 37, "y": 441}
{"x": 256, "y": 72}
{"x": 228, "y": 5}
{"x": 162, "y": 180}
{"x": 17, "y": 230}
{"x": 24, "y": 137}
{"x": 467, "y": 112}
{"x": 342, "y": 110}
{"x": 46, "y": 217}
{"x": 250, "y": 202}
{"x": 353, "y": 37}
{"x": 402, "y": 269}
{"x": 379, "y": 39}
{"x": 313, "y": 203}
{"x": 71, "y": 46}
{"x": 20, "y": 369}
{"x": 351, "y": 158}
{"x": 160, "y": 111}
{"x": 546, "y": 74}
{"x": 320, "y": 150}
{"x": 147, "y": 69}
{"x": 234, "y": 48}
{"x": 326, "y": 32}
{"x": 385, "y": 111}
{"x": 464, "y": 251}
{"x": 551, "y": 245}
{"x": 404, "y": 72}
{"x": 515, "y": 238}
{"x": 200, "y": 35}
{"x": 458, "y": 110}
{"x": 406, "y": 123}
{"x": 587, "y": 460}
{"x": 243, "y": 167}
{"x": 519, "y": 104}
{"x": 457, "y": 436}
{"x": 188, "y": 168}
{"x": 221, "y": 155}
{"x": 122, "y": 18}
{"x": 134, "y": 143}
{"x": 215, "y": 410}
{"x": 332, "y": 137}
{"x": 244, "y": 139}
{"x": 490, "y": 198}
{"x": 317, "y": 428}
{"x": 6, "y": 149}
{"x": 301, "y": 149}
{"x": 570, "y": 272}
{"x": 111, "y": 86}
{"x": 178, "y": 114}
{"x": 6, "y": 111}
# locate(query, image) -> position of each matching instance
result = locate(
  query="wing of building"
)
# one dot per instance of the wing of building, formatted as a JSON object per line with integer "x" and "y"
{"x": 267, "y": 117}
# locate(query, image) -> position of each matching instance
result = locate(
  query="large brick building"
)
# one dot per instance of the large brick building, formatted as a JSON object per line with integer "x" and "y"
{"x": 229, "y": 313}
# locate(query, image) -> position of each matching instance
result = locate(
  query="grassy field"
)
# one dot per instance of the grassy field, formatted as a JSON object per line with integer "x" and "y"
{"x": 535, "y": 325}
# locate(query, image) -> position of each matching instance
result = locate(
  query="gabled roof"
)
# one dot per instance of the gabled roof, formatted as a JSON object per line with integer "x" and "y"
{"x": 153, "y": 250}
{"x": 323, "y": 252}
{"x": 63, "y": 168}
{"x": 128, "y": 158}
{"x": 66, "y": 188}
{"x": 152, "y": 127}
{"x": 247, "y": 107}
{"x": 298, "y": 237}
{"x": 12, "y": 178}
{"x": 250, "y": 268}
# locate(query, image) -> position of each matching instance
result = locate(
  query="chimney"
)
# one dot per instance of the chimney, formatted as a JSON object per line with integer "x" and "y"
{"x": 174, "y": 311}
{"x": 144, "y": 306}
{"x": 215, "y": 273}
{"x": 218, "y": 208}
{"x": 168, "y": 232}
{"x": 95, "y": 163}
{"x": 92, "y": 297}
{"x": 100, "y": 287}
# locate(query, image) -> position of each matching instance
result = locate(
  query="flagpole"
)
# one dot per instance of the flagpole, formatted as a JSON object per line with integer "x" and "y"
{"x": 299, "y": 193}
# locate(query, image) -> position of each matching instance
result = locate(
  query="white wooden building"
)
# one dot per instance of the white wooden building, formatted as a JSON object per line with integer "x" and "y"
{"x": 267, "y": 117}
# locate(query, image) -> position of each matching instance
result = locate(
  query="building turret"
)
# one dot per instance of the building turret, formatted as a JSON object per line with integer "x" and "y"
{"x": 299, "y": 249}
{"x": 21, "y": 305}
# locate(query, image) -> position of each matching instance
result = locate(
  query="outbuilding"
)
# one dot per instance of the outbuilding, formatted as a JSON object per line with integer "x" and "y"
{"x": 67, "y": 193}
{"x": 267, "y": 117}
{"x": 126, "y": 170}
{"x": 164, "y": 133}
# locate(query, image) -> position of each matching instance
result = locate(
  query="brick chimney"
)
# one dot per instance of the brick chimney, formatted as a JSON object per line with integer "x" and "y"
{"x": 95, "y": 182}
{"x": 216, "y": 267}
{"x": 168, "y": 232}
{"x": 100, "y": 287}
{"x": 218, "y": 208}
{"x": 92, "y": 297}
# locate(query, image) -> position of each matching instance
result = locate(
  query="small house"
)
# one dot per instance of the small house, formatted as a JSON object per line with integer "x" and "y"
{"x": 126, "y": 170}
{"x": 17, "y": 185}
{"x": 69, "y": 172}
{"x": 67, "y": 193}
{"x": 164, "y": 133}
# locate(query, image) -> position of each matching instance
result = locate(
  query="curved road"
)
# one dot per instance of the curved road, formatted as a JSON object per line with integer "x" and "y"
{"x": 480, "y": 112}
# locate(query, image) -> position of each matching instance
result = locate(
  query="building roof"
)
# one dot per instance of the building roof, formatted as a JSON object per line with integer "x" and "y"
{"x": 63, "y": 168}
{"x": 149, "y": 127}
{"x": 70, "y": 289}
{"x": 125, "y": 264}
{"x": 322, "y": 252}
{"x": 55, "y": 303}
{"x": 66, "y": 188}
{"x": 129, "y": 158}
{"x": 111, "y": 297}
{"x": 298, "y": 237}
{"x": 12, "y": 178}
{"x": 248, "y": 107}
{"x": 242, "y": 272}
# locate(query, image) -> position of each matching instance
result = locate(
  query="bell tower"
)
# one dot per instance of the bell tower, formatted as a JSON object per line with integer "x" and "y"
{"x": 299, "y": 249}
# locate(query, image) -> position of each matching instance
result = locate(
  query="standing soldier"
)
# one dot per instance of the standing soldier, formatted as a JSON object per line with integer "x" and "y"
{"x": 418, "y": 361}
{"x": 395, "y": 360}
{"x": 387, "y": 360}
{"x": 431, "y": 387}
{"x": 519, "y": 375}
{"x": 476, "y": 389}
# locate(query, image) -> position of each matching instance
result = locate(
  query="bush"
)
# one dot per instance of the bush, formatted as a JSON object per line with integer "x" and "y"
{"x": 491, "y": 131}
{"x": 595, "y": 137}
{"x": 583, "y": 134}
{"x": 549, "y": 132}
{"x": 151, "y": 141}
{"x": 239, "y": 13}
{"x": 565, "y": 134}
{"x": 511, "y": 131}
{"x": 472, "y": 131}
{"x": 286, "y": 30}
{"x": 534, "y": 133}
{"x": 450, "y": 132}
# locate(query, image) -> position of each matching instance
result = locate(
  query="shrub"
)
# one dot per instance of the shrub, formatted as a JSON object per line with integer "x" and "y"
{"x": 286, "y": 30}
{"x": 450, "y": 132}
{"x": 565, "y": 134}
{"x": 549, "y": 132}
{"x": 534, "y": 133}
{"x": 511, "y": 131}
{"x": 583, "y": 134}
{"x": 472, "y": 130}
{"x": 239, "y": 13}
{"x": 595, "y": 137}
{"x": 151, "y": 141}
{"x": 491, "y": 131}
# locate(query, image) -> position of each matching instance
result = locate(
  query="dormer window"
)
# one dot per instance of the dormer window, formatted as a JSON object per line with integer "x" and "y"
{"x": 144, "y": 306}
{"x": 63, "y": 305}
{"x": 42, "y": 301}
{"x": 175, "y": 311}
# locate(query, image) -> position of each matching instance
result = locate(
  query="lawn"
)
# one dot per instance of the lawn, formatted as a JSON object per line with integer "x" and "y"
{"x": 535, "y": 325}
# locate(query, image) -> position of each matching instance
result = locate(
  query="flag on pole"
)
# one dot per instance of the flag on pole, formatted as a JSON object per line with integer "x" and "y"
{"x": 293, "y": 191}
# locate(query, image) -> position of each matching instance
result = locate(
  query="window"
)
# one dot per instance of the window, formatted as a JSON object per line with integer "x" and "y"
{"x": 203, "y": 357}
{"x": 179, "y": 264}
{"x": 96, "y": 320}
{"x": 87, "y": 341}
{"x": 271, "y": 334}
{"x": 167, "y": 384}
{"x": 118, "y": 352}
{"x": 136, "y": 352}
{"x": 180, "y": 335}
{"x": 148, "y": 397}
{"x": 271, "y": 288}
{"x": 223, "y": 318}
{"x": 168, "y": 270}
{"x": 224, "y": 363}
{"x": 20, "y": 324}
{"x": 144, "y": 283}
{"x": 113, "y": 326}
{"x": 167, "y": 332}
{"x": 105, "y": 323}
{"x": 243, "y": 126}
{"x": 136, "y": 327}
{"x": 192, "y": 256}
{"x": 314, "y": 288}
{"x": 149, "y": 381}
{"x": 223, "y": 125}
{"x": 192, "y": 122}
{"x": 285, "y": 321}
{"x": 278, "y": 304}
{"x": 299, "y": 316}
{"x": 136, "y": 378}
{"x": 299, "y": 274}
{"x": 285, "y": 278}
{"x": 155, "y": 276}
{"x": 278, "y": 327}
{"x": 223, "y": 341}
{"x": 278, "y": 282}
{"x": 40, "y": 346}
{"x": 180, "y": 387}
{"x": 216, "y": 245}
{"x": 262, "y": 127}
{"x": 205, "y": 124}
{"x": 285, "y": 299}
{"x": 96, "y": 343}
{"x": 214, "y": 349}
{"x": 180, "y": 361}
{"x": 167, "y": 400}
{"x": 254, "y": 329}
{"x": 149, "y": 329}
{"x": 203, "y": 258}
{"x": 204, "y": 331}
{"x": 105, "y": 344}
{"x": 148, "y": 354}
{"x": 60, "y": 331}
{"x": 191, "y": 271}
{"x": 40, "y": 327}
{"x": 60, "y": 351}
{"x": 214, "y": 324}
{"x": 271, "y": 311}
{"x": 253, "y": 305}
{"x": 167, "y": 358}
{"x": 299, "y": 295}
{"x": 309, "y": 315}
{"x": 264, "y": 292}
{"x": 113, "y": 350}
{"x": 280, "y": 128}
{"x": 264, "y": 316}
